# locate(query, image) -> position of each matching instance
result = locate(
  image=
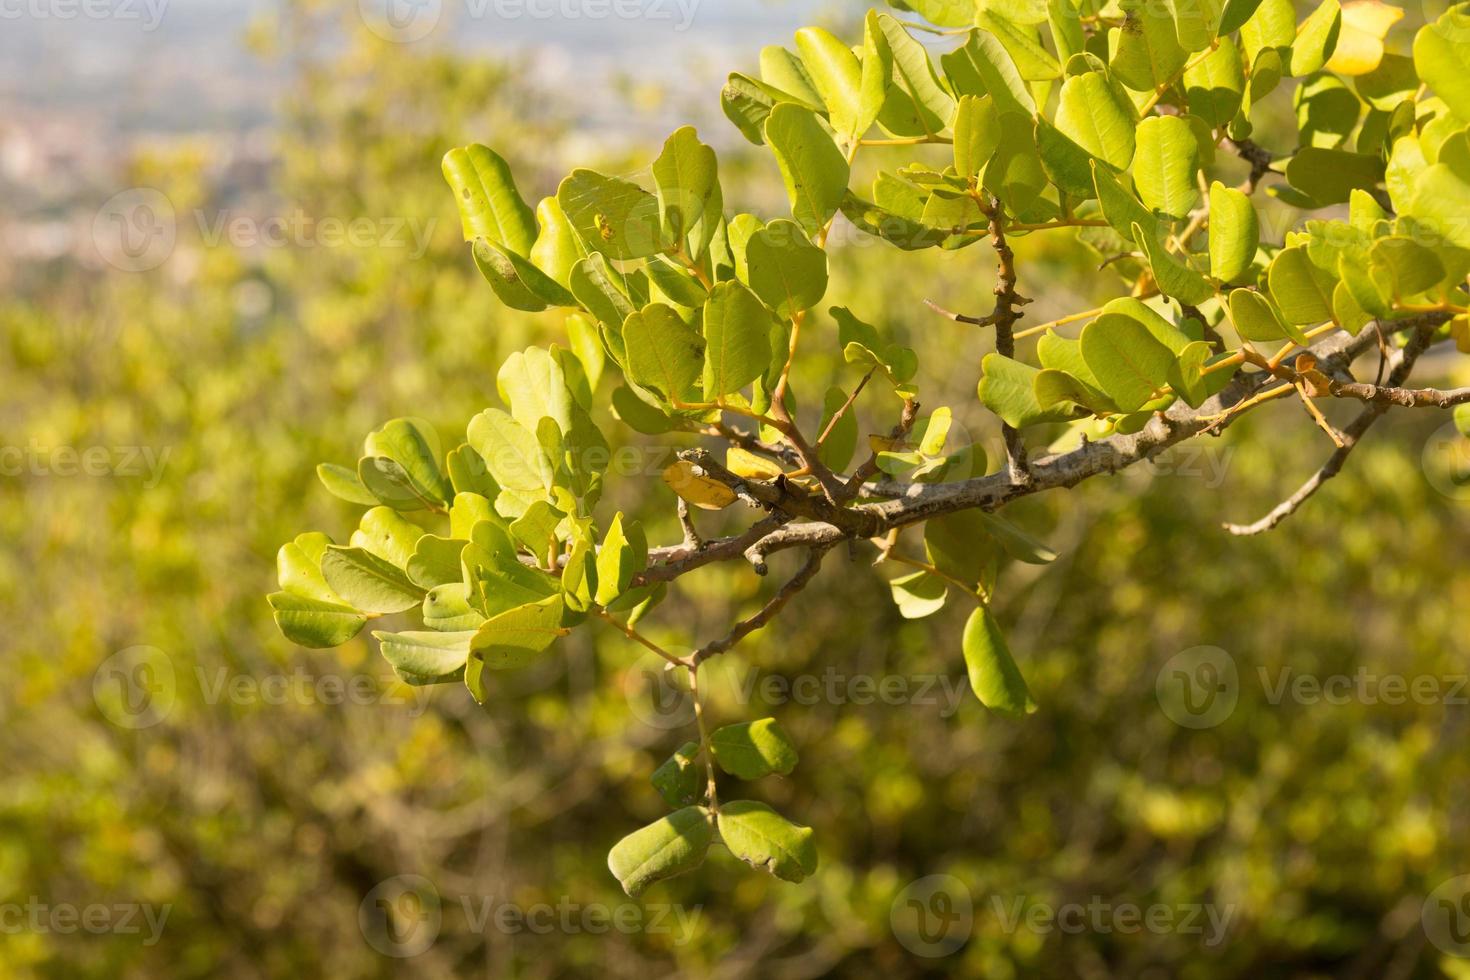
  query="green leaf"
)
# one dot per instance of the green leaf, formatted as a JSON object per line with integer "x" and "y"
{"x": 1098, "y": 117}
{"x": 984, "y": 67}
{"x": 876, "y": 78}
{"x": 813, "y": 168}
{"x": 753, "y": 749}
{"x": 918, "y": 595}
{"x": 1302, "y": 291}
{"x": 602, "y": 292}
{"x": 663, "y": 849}
{"x": 298, "y": 567}
{"x": 747, "y": 103}
{"x": 690, "y": 202}
{"x": 838, "y": 77}
{"x": 557, "y": 247}
{"x": 533, "y": 384}
{"x": 314, "y": 623}
{"x": 1195, "y": 22}
{"x": 1016, "y": 542}
{"x": 1119, "y": 207}
{"x": 640, "y": 416}
{"x": 1129, "y": 362}
{"x": 1008, "y": 388}
{"x": 785, "y": 72}
{"x": 1147, "y": 54}
{"x": 1186, "y": 377}
{"x": 765, "y": 840}
{"x": 1442, "y": 60}
{"x": 1015, "y": 174}
{"x": 1441, "y": 201}
{"x": 1271, "y": 26}
{"x": 386, "y": 534}
{"x": 536, "y": 531}
{"x": 511, "y": 452}
{"x": 665, "y": 354}
{"x": 1316, "y": 39}
{"x": 344, "y": 483}
{"x": 679, "y": 780}
{"x": 622, "y": 558}
{"x": 1326, "y": 111}
{"x": 516, "y": 282}
{"x": 1171, "y": 275}
{"x": 414, "y": 480}
{"x": 1164, "y": 165}
{"x": 512, "y": 638}
{"x": 1032, "y": 61}
{"x": 919, "y": 95}
{"x": 468, "y": 474}
{"x": 1215, "y": 86}
{"x": 861, "y": 345}
{"x": 1256, "y": 318}
{"x": 1412, "y": 267}
{"x": 367, "y": 582}
{"x": 489, "y": 204}
{"x": 943, "y": 13}
{"x": 960, "y": 546}
{"x": 612, "y": 216}
{"x": 784, "y": 269}
{"x": 1330, "y": 176}
{"x": 426, "y": 657}
{"x": 994, "y": 677}
{"x": 737, "y": 346}
{"x": 976, "y": 134}
{"x": 435, "y": 561}
{"x": 1055, "y": 387}
{"x": 1235, "y": 14}
{"x": 447, "y": 608}
{"x": 836, "y": 452}
{"x": 1234, "y": 232}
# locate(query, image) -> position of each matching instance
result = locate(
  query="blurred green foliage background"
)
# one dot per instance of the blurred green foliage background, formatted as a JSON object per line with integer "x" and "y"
{"x": 264, "y": 821}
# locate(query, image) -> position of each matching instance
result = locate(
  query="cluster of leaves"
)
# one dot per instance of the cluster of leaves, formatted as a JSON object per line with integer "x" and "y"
{"x": 1101, "y": 123}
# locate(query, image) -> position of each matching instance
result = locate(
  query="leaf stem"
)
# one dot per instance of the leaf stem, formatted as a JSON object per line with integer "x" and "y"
{"x": 638, "y": 637}
{"x": 704, "y": 746}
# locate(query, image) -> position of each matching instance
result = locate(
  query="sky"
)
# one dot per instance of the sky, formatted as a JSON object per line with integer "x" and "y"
{"x": 179, "y": 64}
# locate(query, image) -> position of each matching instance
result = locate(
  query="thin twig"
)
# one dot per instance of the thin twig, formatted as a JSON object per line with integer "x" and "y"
{"x": 745, "y": 627}
{"x": 1351, "y": 435}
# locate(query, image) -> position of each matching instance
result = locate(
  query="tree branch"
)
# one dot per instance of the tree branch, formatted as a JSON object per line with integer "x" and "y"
{"x": 913, "y": 503}
{"x": 1350, "y": 437}
{"x": 745, "y": 627}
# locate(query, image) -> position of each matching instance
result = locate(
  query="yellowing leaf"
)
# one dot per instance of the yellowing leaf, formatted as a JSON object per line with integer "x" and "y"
{"x": 697, "y": 489}
{"x": 747, "y": 464}
{"x": 1360, "y": 43}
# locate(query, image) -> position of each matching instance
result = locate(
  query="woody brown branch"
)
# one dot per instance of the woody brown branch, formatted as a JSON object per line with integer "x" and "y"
{"x": 914, "y": 503}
